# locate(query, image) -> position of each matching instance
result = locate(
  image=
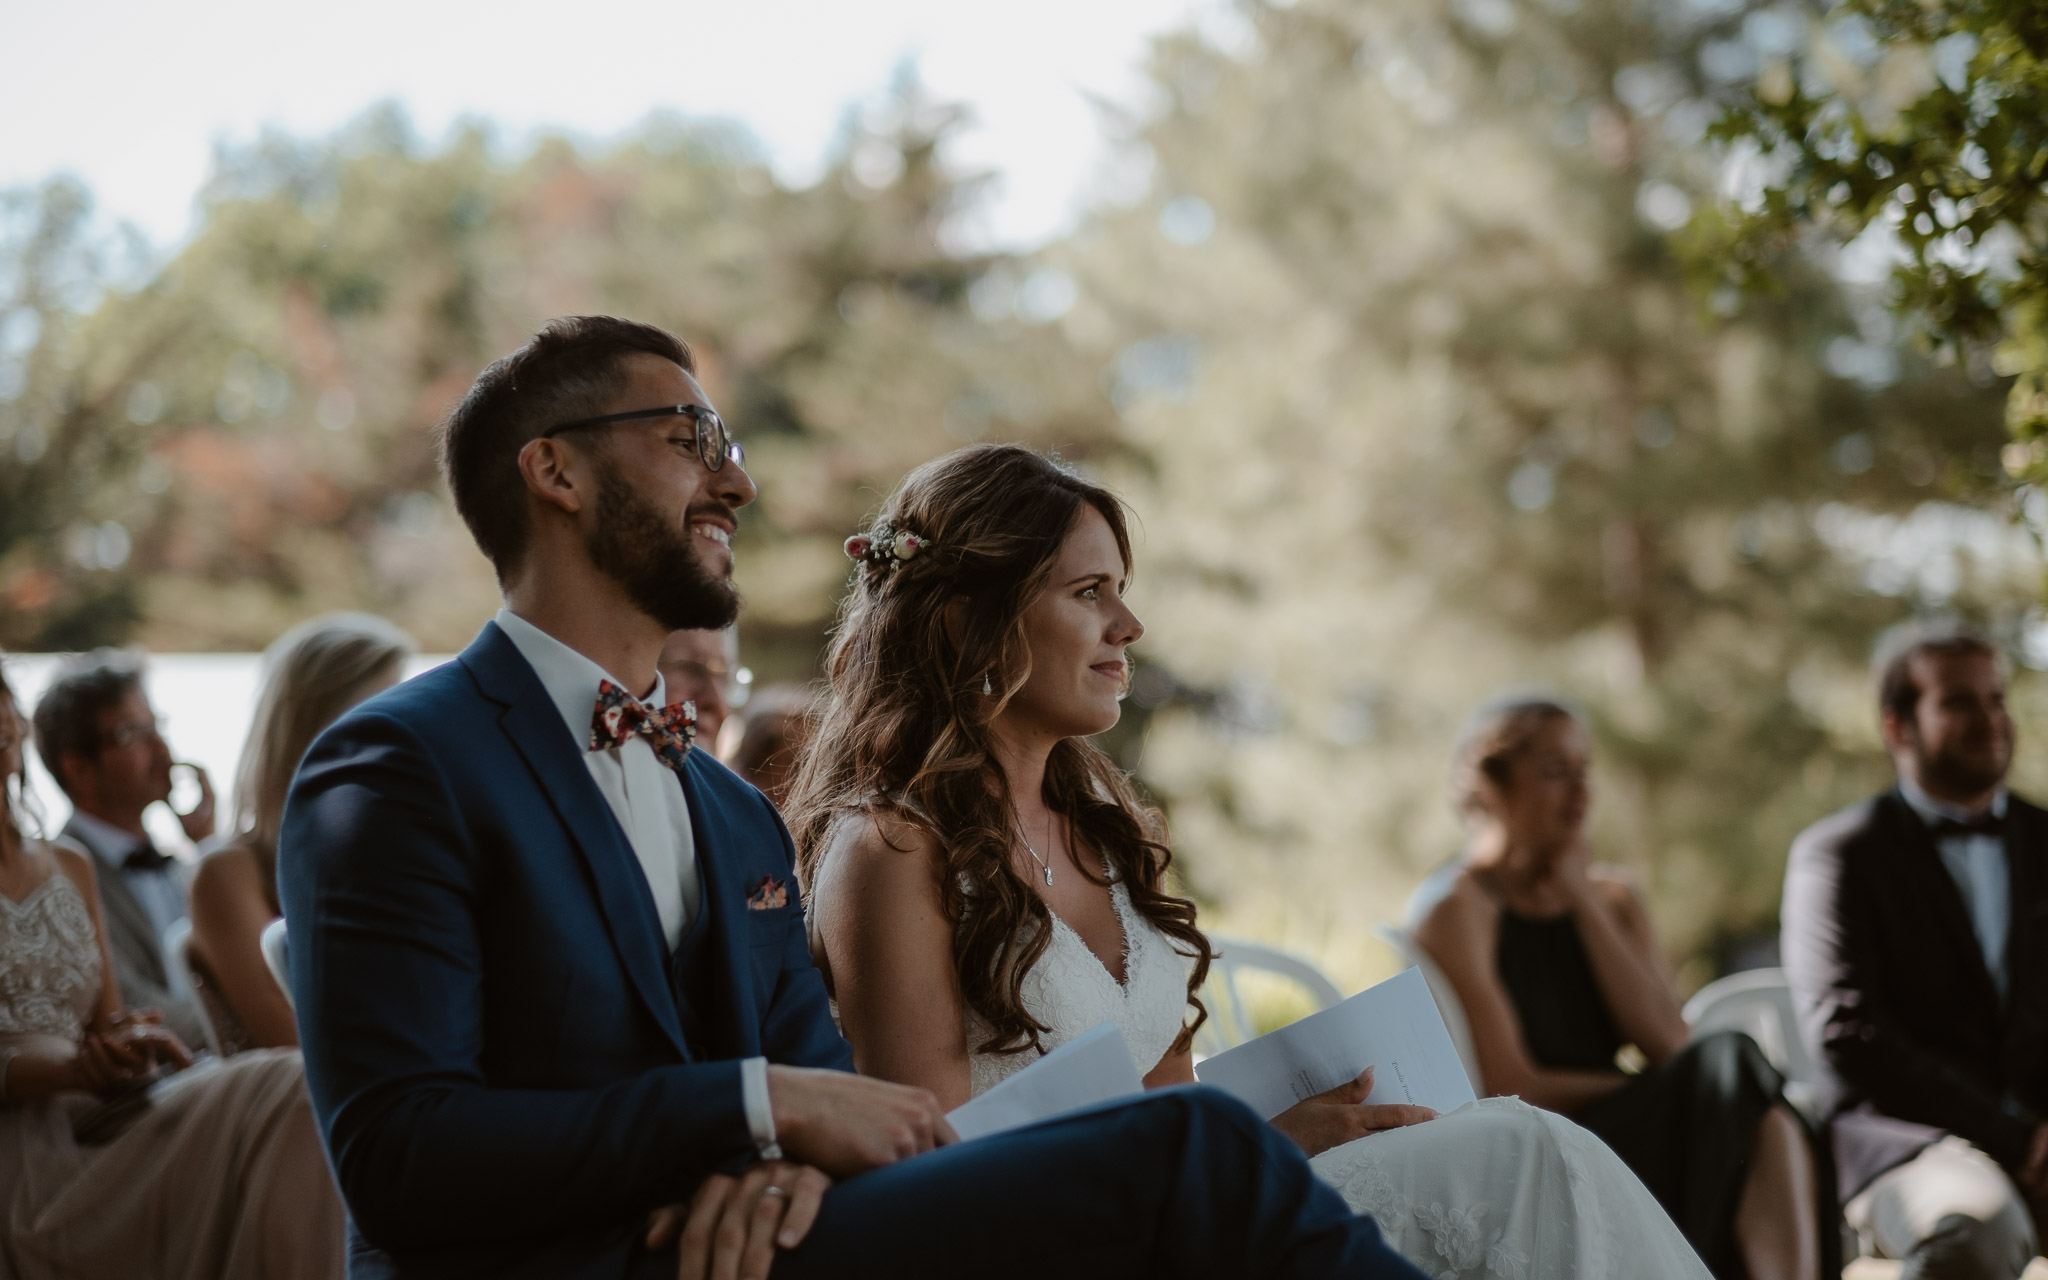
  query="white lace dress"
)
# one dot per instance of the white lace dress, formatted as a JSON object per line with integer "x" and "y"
{"x": 224, "y": 1180}
{"x": 1497, "y": 1188}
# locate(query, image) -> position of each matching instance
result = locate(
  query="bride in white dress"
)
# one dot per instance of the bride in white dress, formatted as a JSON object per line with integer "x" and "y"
{"x": 984, "y": 885}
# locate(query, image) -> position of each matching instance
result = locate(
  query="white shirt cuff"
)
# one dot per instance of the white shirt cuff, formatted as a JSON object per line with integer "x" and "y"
{"x": 760, "y": 1115}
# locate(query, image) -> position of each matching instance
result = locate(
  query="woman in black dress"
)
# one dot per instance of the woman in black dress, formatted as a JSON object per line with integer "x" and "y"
{"x": 1558, "y": 969}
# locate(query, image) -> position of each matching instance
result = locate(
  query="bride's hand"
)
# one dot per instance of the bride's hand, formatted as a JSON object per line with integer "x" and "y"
{"x": 1340, "y": 1115}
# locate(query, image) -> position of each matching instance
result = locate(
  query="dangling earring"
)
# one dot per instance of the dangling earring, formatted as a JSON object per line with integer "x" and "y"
{"x": 986, "y": 687}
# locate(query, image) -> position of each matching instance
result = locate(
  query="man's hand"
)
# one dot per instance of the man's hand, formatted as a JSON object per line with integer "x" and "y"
{"x": 198, "y": 824}
{"x": 846, "y": 1124}
{"x": 1340, "y": 1115}
{"x": 732, "y": 1227}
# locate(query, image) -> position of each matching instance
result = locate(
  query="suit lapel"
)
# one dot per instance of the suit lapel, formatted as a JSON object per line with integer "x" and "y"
{"x": 124, "y": 913}
{"x": 535, "y": 727}
{"x": 2026, "y": 844}
{"x": 1926, "y": 878}
{"x": 724, "y": 909}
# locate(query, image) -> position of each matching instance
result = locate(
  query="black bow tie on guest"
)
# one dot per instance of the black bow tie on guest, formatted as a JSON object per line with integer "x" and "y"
{"x": 147, "y": 858}
{"x": 1986, "y": 823}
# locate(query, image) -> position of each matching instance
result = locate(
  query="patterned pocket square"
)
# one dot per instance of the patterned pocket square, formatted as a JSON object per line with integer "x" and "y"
{"x": 769, "y": 895}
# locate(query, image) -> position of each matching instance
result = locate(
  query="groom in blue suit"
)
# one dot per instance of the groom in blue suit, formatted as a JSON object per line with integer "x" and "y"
{"x": 552, "y": 979}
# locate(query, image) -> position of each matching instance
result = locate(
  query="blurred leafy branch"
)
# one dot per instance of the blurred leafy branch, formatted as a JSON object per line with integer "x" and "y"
{"x": 1921, "y": 125}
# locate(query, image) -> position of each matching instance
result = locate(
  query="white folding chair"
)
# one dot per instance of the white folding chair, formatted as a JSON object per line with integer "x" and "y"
{"x": 1229, "y": 1023}
{"x": 177, "y": 956}
{"x": 1759, "y": 1003}
{"x": 1440, "y": 990}
{"x": 274, "y": 956}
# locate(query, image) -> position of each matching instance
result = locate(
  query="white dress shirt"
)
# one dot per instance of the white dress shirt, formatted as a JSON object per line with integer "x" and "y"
{"x": 647, "y": 798}
{"x": 1977, "y": 864}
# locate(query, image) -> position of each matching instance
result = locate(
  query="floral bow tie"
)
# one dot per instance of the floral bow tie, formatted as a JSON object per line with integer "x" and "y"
{"x": 619, "y": 715}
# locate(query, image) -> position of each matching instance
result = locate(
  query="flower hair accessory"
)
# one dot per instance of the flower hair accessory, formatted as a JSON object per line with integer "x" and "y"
{"x": 884, "y": 546}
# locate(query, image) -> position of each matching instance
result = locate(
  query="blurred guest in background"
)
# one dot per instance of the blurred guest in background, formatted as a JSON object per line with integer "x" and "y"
{"x": 98, "y": 736}
{"x": 312, "y": 674}
{"x": 704, "y": 667}
{"x": 770, "y": 737}
{"x": 1558, "y": 968}
{"x": 1916, "y": 942}
{"x": 219, "y": 1174}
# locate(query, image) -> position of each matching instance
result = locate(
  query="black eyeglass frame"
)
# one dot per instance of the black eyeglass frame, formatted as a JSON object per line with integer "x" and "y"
{"x": 715, "y": 445}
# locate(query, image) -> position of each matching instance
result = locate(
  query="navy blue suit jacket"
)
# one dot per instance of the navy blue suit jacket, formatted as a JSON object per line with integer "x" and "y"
{"x": 493, "y": 1028}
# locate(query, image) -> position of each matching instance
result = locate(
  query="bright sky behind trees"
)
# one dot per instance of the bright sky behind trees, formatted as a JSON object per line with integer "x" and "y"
{"x": 132, "y": 96}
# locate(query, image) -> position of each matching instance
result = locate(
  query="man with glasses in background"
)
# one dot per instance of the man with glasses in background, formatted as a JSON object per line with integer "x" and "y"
{"x": 98, "y": 736}
{"x": 703, "y": 668}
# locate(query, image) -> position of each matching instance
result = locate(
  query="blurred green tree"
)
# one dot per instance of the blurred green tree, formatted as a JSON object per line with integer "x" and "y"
{"x": 1921, "y": 126}
{"x": 256, "y": 418}
{"x": 66, "y": 572}
{"x": 1422, "y": 407}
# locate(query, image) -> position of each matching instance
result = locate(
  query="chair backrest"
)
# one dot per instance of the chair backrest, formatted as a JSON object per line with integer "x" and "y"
{"x": 178, "y": 956}
{"x": 1445, "y": 995}
{"x": 1758, "y": 1002}
{"x": 274, "y": 956}
{"x": 1229, "y": 1023}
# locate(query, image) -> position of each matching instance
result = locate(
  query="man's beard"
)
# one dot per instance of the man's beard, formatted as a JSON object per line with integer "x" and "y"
{"x": 1961, "y": 774}
{"x": 646, "y": 554}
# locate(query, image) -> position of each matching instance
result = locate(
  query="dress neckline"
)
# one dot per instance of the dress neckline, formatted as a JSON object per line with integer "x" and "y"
{"x": 18, "y": 905}
{"x": 1123, "y": 927}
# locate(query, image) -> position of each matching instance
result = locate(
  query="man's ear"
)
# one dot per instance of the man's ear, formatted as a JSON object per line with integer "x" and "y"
{"x": 555, "y": 473}
{"x": 64, "y": 769}
{"x": 1897, "y": 732}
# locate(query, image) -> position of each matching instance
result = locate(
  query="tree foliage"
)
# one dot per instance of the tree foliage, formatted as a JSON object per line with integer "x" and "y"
{"x": 1426, "y": 408}
{"x": 256, "y": 420}
{"x": 1923, "y": 126}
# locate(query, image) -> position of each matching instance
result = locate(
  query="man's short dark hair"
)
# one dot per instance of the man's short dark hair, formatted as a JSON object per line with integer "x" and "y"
{"x": 1897, "y": 691}
{"x": 67, "y": 718}
{"x": 571, "y": 369}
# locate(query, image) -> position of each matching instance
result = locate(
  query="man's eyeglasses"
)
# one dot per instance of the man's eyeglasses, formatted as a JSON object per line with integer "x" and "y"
{"x": 733, "y": 682}
{"x": 135, "y": 731}
{"x": 715, "y": 446}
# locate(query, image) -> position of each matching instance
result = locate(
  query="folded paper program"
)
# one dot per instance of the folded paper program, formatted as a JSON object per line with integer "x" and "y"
{"x": 1093, "y": 1067}
{"x": 1394, "y": 1027}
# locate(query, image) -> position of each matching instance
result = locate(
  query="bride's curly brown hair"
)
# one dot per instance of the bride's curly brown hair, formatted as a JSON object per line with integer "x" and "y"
{"x": 905, "y": 727}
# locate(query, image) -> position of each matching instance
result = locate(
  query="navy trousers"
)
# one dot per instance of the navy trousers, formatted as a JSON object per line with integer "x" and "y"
{"x": 1185, "y": 1183}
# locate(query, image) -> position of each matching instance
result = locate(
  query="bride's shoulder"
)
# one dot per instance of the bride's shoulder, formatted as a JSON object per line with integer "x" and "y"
{"x": 878, "y": 842}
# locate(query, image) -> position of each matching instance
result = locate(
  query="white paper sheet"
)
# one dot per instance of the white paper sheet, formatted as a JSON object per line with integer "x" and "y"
{"x": 1093, "y": 1067}
{"x": 1394, "y": 1028}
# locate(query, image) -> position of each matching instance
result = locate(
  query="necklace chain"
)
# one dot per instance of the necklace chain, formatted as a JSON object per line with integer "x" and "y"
{"x": 1033, "y": 852}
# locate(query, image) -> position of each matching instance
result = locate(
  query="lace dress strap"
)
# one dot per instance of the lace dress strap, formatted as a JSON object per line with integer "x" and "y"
{"x": 50, "y": 969}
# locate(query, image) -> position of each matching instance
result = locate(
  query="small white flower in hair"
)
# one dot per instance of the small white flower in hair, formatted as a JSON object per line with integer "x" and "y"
{"x": 884, "y": 546}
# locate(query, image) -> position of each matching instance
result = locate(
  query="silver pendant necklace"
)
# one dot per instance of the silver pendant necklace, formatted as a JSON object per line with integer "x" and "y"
{"x": 1034, "y": 853}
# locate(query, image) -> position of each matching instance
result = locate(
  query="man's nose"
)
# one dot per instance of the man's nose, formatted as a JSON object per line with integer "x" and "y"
{"x": 735, "y": 487}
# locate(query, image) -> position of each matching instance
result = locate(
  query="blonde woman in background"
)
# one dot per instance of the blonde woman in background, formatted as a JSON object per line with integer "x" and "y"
{"x": 312, "y": 674}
